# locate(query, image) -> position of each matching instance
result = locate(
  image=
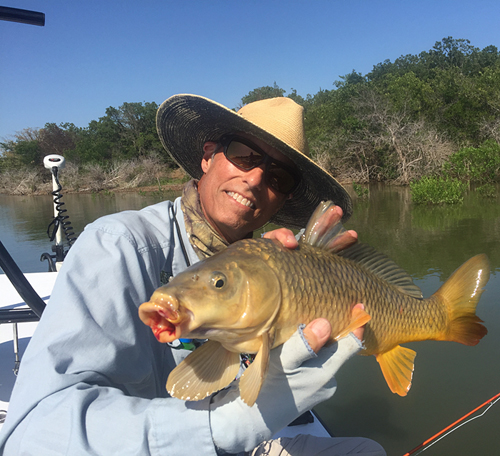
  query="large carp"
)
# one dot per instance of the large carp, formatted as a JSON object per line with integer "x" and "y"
{"x": 251, "y": 297}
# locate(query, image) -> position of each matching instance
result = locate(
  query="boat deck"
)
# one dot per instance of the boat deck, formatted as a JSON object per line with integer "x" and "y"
{"x": 42, "y": 282}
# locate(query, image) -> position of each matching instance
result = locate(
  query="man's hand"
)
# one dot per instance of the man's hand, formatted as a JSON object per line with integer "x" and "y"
{"x": 318, "y": 331}
{"x": 287, "y": 238}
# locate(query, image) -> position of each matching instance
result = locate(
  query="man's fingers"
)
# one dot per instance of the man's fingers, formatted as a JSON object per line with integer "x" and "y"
{"x": 317, "y": 333}
{"x": 284, "y": 235}
{"x": 345, "y": 240}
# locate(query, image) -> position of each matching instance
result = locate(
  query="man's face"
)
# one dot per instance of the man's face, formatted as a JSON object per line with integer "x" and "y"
{"x": 236, "y": 202}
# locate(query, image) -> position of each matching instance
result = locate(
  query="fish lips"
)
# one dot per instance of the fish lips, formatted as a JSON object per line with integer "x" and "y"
{"x": 163, "y": 318}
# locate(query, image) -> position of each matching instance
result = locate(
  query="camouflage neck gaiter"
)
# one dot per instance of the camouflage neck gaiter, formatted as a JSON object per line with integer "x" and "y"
{"x": 204, "y": 239}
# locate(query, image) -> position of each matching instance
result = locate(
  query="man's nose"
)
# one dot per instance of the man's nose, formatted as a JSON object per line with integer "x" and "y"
{"x": 256, "y": 176}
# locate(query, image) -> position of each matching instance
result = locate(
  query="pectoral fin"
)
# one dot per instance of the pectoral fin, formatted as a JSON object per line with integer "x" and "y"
{"x": 251, "y": 380}
{"x": 359, "y": 318}
{"x": 208, "y": 369}
{"x": 397, "y": 367}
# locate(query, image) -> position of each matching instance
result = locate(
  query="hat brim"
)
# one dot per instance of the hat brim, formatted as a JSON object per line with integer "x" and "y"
{"x": 186, "y": 122}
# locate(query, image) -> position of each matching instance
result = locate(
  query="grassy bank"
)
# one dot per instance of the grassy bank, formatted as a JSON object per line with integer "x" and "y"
{"x": 141, "y": 174}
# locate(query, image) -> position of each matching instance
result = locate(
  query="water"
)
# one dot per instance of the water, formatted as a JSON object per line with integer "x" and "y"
{"x": 24, "y": 220}
{"x": 449, "y": 379}
{"x": 430, "y": 243}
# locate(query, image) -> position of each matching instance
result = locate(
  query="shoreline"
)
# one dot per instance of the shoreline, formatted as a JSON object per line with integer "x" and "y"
{"x": 145, "y": 189}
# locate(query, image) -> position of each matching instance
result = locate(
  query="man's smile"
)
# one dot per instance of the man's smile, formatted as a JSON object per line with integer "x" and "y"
{"x": 241, "y": 199}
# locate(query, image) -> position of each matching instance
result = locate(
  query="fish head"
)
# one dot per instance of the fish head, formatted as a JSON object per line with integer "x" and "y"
{"x": 226, "y": 297}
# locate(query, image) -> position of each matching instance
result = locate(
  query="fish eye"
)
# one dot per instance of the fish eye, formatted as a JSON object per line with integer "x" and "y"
{"x": 218, "y": 279}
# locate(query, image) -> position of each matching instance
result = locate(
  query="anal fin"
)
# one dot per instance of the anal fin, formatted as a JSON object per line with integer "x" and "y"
{"x": 359, "y": 318}
{"x": 252, "y": 378}
{"x": 208, "y": 369}
{"x": 397, "y": 367}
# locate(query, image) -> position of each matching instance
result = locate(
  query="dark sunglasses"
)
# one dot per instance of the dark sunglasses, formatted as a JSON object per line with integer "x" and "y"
{"x": 245, "y": 155}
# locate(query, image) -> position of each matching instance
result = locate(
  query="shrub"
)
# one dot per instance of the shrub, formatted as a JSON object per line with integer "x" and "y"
{"x": 361, "y": 192}
{"x": 487, "y": 190}
{"x": 476, "y": 164}
{"x": 23, "y": 181}
{"x": 437, "y": 190}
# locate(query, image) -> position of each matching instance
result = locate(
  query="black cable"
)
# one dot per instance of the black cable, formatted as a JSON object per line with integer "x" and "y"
{"x": 179, "y": 235}
{"x": 61, "y": 219}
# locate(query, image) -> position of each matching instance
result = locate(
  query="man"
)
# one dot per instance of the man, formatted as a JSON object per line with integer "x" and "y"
{"x": 92, "y": 380}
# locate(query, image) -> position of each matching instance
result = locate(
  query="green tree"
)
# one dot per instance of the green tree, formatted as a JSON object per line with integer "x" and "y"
{"x": 92, "y": 145}
{"x": 126, "y": 132}
{"x": 28, "y": 153}
{"x": 262, "y": 93}
{"x": 132, "y": 129}
{"x": 297, "y": 98}
{"x": 58, "y": 139}
{"x": 476, "y": 164}
{"x": 23, "y": 150}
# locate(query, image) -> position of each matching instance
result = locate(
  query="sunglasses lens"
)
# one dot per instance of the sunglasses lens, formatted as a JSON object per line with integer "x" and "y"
{"x": 243, "y": 156}
{"x": 280, "y": 179}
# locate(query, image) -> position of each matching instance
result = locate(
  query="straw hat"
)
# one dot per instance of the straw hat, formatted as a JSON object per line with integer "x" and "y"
{"x": 186, "y": 122}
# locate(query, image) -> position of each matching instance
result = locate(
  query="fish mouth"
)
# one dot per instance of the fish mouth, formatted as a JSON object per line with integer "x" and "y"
{"x": 163, "y": 317}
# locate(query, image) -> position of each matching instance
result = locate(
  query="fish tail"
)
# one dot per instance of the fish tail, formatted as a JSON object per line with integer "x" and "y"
{"x": 460, "y": 295}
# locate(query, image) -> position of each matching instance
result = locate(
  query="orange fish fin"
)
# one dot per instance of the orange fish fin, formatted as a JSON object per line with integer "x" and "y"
{"x": 359, "y": 318}
{"x": 252, "y": 378}
{"x": 397, "y": 367}
{"x": 208, "y": 369}
{"x": 460, "y": 294}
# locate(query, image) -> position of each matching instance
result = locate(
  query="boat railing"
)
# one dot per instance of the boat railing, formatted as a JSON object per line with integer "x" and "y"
{"x": 23, "y": 287}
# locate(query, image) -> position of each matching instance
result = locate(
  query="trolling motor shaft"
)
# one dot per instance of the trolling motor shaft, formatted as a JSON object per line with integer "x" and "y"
{"x": 53, "y": 163}
{"x": 60, "y": 223}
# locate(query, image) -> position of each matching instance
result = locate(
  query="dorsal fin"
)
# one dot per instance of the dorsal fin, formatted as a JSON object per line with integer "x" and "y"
{"x": 382, "y": 266}
{"x": 323, "y": 227}
{"x": 323, "y": 230}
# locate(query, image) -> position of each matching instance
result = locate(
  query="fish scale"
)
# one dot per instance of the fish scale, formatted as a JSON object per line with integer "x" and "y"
{"x": 329, "y": 286}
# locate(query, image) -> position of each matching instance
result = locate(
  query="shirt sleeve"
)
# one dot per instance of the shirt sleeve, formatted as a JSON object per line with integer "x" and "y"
{"x": 92, "y": 380}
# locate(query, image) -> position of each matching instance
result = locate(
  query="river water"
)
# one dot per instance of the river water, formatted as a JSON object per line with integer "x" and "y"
{"x": 449, "y": 379}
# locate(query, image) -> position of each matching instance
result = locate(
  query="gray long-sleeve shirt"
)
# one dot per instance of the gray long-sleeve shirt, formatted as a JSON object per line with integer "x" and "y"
{"x": 92, "y": 380}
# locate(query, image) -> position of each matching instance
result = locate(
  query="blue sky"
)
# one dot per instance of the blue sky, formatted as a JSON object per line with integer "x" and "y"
{"x": 98, "y": 53}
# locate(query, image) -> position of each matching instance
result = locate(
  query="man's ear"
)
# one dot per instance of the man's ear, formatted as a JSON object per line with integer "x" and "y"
{"x": 208, "y": 151}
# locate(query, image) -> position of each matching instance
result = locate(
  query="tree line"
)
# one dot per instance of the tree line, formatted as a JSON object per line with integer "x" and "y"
{"x": 404, "y": 119}
{"x": 124, "y": 133}
{"x": 401, "y": 121}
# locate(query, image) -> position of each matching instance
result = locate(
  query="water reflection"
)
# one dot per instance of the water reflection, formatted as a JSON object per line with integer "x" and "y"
{"x": 424, "y": 238}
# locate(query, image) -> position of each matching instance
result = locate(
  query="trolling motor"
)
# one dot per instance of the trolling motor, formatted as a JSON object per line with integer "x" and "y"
{"x": 61, "y": 222}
